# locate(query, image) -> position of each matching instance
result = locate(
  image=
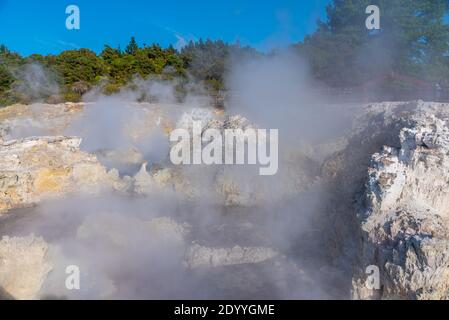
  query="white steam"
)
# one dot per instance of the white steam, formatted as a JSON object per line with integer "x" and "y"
{"x": 135, "y": 246}
{"x": 36, "y": 82}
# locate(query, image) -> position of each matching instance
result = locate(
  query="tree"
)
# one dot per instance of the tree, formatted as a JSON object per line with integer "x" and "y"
{"x": 109, "y": 54}
{"x": 413, "y": 42}
{"x": 6, "y": 79}
{"x": 132, "y": 47}
{"x": 9, "y": 62}
{"x": 79, "y": 65}
{"x": 3, "y": 49}
{"x": 207, "y": 61}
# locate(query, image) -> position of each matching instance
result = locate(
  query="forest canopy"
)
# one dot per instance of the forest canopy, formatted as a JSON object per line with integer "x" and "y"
{"x": 408, "y": 57}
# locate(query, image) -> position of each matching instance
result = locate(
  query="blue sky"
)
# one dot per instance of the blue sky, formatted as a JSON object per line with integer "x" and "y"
{"x": 28, "y": 26}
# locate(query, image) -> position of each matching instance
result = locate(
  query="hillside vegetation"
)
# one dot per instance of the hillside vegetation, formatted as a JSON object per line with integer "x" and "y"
{"x": 407, "y": 58}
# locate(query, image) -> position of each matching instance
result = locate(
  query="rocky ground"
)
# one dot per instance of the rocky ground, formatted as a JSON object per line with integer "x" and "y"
{"x": 376, "y": 196}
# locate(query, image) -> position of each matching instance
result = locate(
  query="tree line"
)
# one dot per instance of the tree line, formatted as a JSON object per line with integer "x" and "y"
{"x": 77, "y": 71}
{"x": 407, "y": 58}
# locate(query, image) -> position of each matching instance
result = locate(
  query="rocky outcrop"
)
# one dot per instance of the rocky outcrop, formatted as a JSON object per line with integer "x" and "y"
{"x": 231, "y": 186}
{"x": 200, "y": 256}
{"x": 380, "y": 198}
{"x": 21, "y": 121}
{"x": 38, "y": 168}
{"x": 405, "y": 213}
{"x": 23, "y": 266}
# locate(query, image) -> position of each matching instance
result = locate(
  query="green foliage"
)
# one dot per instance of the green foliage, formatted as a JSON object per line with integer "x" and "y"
{"x": 3, "y": 49}
{"x": 413, "y": 43}
{"x": 9, "y": 60}
{"x": 146, "y": 61}
{"x": 6, "y": 79}
{"x": 132, "y": 47}
{"x": 208, "y": 61}
{"x": 109, "y": 54}
{"x": 79, "y": 65}
{"x": 72, "y": 97}
{"x": 8, "y": 63}
{"x": 78, "y": 70}
{"x": 111, "y": 88}
{"x": 410, "y": 51}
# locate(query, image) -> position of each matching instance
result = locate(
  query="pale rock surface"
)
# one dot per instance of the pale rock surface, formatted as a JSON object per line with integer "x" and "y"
{"x": 21, "y": 121}
{"x": 233, "y": 186}
{"x": 37, "y": 168}
{"x": 200, "y": 256}
{"x": 23, "y": 266}
{"x": 404, "y": 218}
{"x": 159, "y": 179}
{"x": 386, "y": 201}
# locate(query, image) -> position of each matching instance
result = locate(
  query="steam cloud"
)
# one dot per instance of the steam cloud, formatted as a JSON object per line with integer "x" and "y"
{"x": 36, "y": 82}
{"x": 134, "y": 247}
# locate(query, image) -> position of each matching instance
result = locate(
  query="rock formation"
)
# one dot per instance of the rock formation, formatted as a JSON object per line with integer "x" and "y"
{"x": 24, "y": 266}
{"x": 37, "y": 168}
{"x": 404, "y": 217}
{"x": 382, "y": 200}
{"x": 199, "y": 256}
